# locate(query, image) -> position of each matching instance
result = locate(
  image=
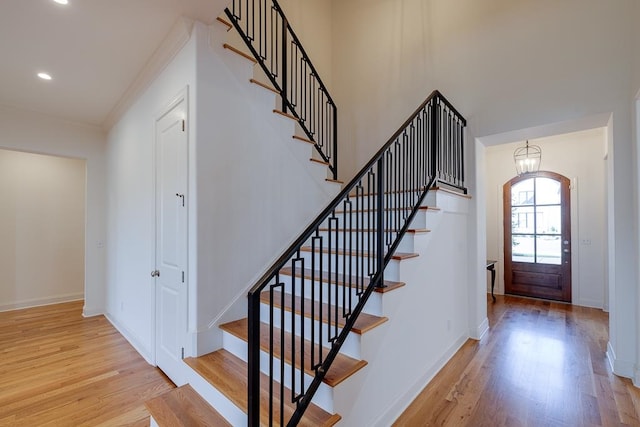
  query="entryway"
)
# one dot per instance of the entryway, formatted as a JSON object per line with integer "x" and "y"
{"x": 537, "y": 236}
{"x": 581, "y": 158}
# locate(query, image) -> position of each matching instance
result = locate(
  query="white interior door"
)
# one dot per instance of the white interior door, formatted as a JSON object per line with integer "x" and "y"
{"x": 171, "y": 240}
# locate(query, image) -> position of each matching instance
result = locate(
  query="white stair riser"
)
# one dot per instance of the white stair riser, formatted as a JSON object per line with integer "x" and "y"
{"x": 328, "y": 293}
{"x": 264, "y": 99}
{"x": 232, "y": 413}
{"x": 357, "y": 241}
{"x": 389, "y": 200}
{"x": 350, "y": 347}
{"x": 319, "y": 170}
{"x": 355, "y": 264}
{"x": 369, "y": 219}
{"x": 323, "y": 397}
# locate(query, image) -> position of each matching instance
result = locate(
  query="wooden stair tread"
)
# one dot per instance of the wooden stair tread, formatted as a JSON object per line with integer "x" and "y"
{"x": 264, "y": 86}
{"x": 337, "y": 181}
{"x": 342, "y": 367}
{"x": 308, "y": 274}
{"x": 411, "y": 190}
{"x": 420, "y": 208}
{"x": 451, "y": 191}
{"x": 228, "y": 374}
{"x": 365, "y": 321}
{"x": 322, "y": 162}
{"x": 303, "y": 139}
{"x": 239, "y": 52}
{"x": 287, "y": 115}
{"x": 398, "y": 256}
{"x": 367, "y": 230}
{"x": 224, "y": 22}
{"x": 183, "y": 407}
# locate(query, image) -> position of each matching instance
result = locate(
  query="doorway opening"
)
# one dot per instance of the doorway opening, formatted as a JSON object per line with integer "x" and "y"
{"x": 580, "y": 156}
{"x": 537, "y": 236}
{"x": 42, "y": 229}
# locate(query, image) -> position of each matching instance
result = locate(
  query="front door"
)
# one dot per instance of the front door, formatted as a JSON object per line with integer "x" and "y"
{"x": 537, "y": 236}
{"x": 171, "y": 240}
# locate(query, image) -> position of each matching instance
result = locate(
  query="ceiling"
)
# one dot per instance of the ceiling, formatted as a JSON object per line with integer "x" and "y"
{"x": 93, "y": 49}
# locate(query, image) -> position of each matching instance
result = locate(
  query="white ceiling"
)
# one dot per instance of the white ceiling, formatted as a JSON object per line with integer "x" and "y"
{"x": 94, "y": 49}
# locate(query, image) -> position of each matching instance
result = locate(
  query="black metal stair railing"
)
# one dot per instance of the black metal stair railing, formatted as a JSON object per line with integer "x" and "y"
{"x": 268, "y": 35}
{"x": 329, "y": 272}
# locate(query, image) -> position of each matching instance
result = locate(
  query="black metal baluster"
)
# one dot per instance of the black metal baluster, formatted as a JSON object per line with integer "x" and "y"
{"x": 380, "y": 223}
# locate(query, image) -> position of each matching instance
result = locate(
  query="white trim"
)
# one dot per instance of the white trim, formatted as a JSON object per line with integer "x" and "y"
{"x": 131, "y": 338}
{"x": 37, "y": 302}
{"x": 402, "y": 402}
{"x": 481, "y": 330}
{"x": 177, "y": 38}
{"x": 620, "y": 367}
{"x": 91, "y": 311}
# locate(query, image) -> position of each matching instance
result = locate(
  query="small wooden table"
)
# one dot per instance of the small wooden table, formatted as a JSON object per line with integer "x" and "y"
{"x": 491, "y": 266}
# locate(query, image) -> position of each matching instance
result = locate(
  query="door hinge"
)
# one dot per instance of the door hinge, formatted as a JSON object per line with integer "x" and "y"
{"x": 183, "y": 277}
{"x": 183, "y": 124}
{"x": 183, "y": 352}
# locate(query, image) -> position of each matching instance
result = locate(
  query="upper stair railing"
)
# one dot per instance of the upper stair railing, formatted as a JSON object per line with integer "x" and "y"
{"x": 340, "y": 258}
{"x": 268, "y": 35}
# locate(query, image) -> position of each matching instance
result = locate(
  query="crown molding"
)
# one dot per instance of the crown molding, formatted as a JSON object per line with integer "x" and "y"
{"x": 175, "y": 40}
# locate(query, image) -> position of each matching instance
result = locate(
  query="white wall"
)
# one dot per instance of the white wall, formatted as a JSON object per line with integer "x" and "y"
{"x": 580, "y": 157}
{"x": 130, "y": 240}
{"x": 249, "y": 195}
{"x": 382, "y": 71}
{"x": 428, "y": 322}
{"x": 506, "y": 66}
{"x": 311, "y": 21}
{"x": 31, "y": 132}
{"x": 41, "y": 229}
{"x": 255, "y": 193}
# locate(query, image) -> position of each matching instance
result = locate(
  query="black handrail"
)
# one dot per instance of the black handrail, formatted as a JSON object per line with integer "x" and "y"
{"x": 349, "y": 245}
{"x": 266, "y": 31}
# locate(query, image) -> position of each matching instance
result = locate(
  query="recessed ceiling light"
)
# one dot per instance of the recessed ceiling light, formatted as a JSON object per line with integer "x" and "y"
{"x": 44, "y": 76}
{"x": 61, "y": 1}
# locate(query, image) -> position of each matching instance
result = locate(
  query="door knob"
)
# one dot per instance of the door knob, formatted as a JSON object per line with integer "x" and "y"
{"x": 155, "y": 273}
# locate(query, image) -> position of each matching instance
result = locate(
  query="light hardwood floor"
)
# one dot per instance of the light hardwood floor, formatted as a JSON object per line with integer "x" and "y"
{"x": 60, "y": 369}
{"x": 541, "y": 364}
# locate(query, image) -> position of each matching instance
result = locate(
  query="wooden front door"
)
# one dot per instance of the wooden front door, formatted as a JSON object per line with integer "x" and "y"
{"x": 537, "y": 236}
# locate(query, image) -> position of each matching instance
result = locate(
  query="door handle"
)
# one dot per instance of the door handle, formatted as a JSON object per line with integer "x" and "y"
{"x": 155, "y": 273}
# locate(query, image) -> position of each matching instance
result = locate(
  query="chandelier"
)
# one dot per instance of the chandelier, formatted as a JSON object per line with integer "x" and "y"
{"x": 527, "y": 159}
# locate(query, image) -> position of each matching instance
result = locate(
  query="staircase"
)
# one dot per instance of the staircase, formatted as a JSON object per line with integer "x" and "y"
{"x": 316, "y": 321}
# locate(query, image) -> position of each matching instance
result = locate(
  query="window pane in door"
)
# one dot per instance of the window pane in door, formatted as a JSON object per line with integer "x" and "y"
{"x": 549, "y": 250}
{"x": 548, "y": 220}
{"x": 522, "y": 220}
{"x": 522, "y": 193}
{"x": 547, "y": 191}
{"x": 522, "y": 249}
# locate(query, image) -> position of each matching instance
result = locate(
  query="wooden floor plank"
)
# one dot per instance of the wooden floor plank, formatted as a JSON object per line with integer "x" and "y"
{"x": 58, "y": 368}
{"x": 541, "y": 364}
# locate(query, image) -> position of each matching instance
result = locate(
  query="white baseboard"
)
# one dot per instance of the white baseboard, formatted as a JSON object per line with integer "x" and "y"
{"x": 480, "y": 331}
{"x": 131, "y": 338}
{"x": 91, "y": 311}
{"x": 402, "y": 402}
{"x": 619, "y": 367}
{"x": 38, "y": 302}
